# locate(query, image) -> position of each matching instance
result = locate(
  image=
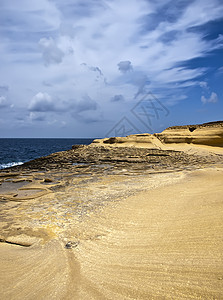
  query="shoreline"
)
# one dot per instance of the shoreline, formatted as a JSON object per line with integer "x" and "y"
{"x": 115, "y": 221}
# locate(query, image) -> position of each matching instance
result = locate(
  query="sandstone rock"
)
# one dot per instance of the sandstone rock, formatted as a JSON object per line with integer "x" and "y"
{"x": 136, "y": 140}
{"x": 209, "y": 134}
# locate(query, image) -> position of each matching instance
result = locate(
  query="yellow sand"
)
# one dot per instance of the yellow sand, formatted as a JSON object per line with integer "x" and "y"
{"x": 161, "y": 243}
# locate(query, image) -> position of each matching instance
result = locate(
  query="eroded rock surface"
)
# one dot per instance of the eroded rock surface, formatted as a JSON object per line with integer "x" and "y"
{"x": 209, "y": 134}
{"x": 115, "y": 220}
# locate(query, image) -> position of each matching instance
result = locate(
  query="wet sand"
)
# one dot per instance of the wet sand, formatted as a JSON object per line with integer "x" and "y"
{"x": 117, "y": 236}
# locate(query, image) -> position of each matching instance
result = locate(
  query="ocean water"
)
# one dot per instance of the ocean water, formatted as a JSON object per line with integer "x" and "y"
{"x": 17, "y": 151}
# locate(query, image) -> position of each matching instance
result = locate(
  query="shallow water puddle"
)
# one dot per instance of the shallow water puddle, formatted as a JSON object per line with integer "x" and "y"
{"x": 9, "y": 186}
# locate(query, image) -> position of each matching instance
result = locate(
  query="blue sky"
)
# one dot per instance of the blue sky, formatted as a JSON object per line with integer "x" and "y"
{"x": 95, "y": 68}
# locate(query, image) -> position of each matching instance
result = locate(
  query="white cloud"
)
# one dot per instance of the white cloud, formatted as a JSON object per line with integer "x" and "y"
{"x": 50, "y": 51}
{"x": 103, "y": 49}
{"x": 30, "y": 16}
{"x": 199, "y": 12}
{"x": 203, "y": 84}
{"x": 212, "y": 99}
{"x": 220, "y": 70}
{"x": 42, "y": 102}
{"x": 3, "y": 102}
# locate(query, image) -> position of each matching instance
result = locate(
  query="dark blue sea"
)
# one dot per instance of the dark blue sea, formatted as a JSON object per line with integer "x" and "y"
{"x": 17, "y": 151}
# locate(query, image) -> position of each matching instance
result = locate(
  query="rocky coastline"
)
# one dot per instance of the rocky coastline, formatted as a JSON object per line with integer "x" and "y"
{"x": 95, "y": 207}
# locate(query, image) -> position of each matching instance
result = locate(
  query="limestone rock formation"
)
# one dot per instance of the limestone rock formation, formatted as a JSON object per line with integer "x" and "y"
{"x": 145, "y": 140}
{"x": 209, "y": 134}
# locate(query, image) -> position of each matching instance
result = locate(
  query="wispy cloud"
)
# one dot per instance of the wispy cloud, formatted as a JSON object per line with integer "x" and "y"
{"x": 220, "y": 70}
{"x": 108, "y": 50}
{"x": 212, "y": 99}
{"x": 203, "y": 84}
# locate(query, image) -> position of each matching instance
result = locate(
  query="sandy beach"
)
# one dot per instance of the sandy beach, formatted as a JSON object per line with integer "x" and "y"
{"x": 117, "y": 233}
{"x": 111, "y": 150}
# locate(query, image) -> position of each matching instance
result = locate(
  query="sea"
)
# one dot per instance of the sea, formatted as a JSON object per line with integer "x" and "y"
{"x": 16, "y": 151}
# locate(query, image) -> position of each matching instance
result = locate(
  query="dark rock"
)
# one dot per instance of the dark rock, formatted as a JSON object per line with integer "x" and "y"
{"x": 48, "y": 180}
{"x": 75, "y": 147}
{"x": 192, "y": 129}
{"x": 71, "y": 244}
{"x": 111, "y": 140}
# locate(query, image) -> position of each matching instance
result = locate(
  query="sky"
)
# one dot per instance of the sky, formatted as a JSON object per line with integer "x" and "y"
{"x": 97, "y": 68}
